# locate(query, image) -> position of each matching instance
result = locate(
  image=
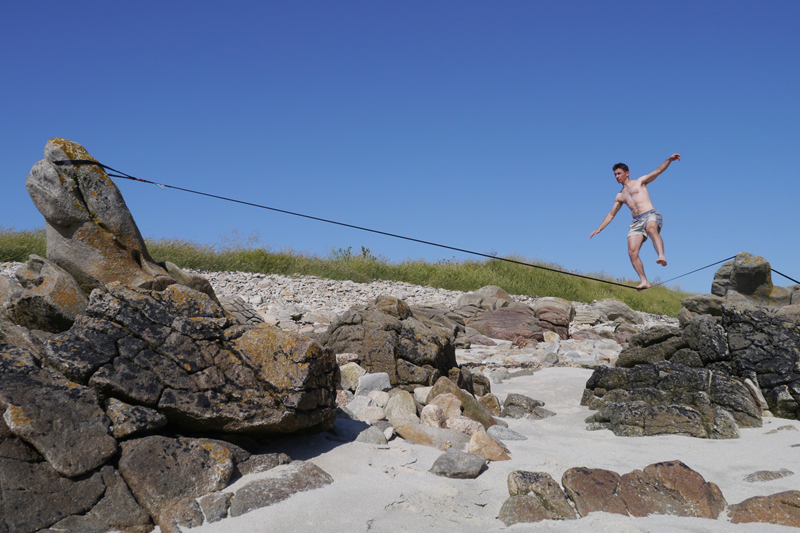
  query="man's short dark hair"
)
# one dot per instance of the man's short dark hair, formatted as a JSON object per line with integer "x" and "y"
{"x": 623, "y": 166}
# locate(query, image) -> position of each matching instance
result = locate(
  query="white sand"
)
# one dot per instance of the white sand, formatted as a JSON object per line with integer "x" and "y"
{"x": 389, "y": 488}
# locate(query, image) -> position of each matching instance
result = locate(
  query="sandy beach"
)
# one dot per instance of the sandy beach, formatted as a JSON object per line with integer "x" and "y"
{"x": 388, "y": 488}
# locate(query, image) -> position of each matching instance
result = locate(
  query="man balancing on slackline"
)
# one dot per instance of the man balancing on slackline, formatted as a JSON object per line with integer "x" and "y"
{"x": 646, "y": 220}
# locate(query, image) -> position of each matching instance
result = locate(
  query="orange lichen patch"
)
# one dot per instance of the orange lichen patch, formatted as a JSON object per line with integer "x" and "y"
{"x": 217, "y": 452}
{"x": 15, "y": 418}
{"x": 66, "y": 296}
{"x": 221, "y": 456}
{"x": 103, "y": 258}
{"x": 282, "y": 359}
{"x": 72, "y": 149}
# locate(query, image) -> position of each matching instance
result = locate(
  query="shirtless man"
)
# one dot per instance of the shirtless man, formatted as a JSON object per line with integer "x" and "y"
{"x": 646, "y": 220}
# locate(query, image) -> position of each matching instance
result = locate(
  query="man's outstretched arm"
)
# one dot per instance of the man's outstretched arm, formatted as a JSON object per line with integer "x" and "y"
{"x": 661, "y": 168}
{"x": 609, "y": 217}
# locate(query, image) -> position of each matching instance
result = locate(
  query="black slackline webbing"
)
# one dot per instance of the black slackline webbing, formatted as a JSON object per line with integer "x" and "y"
{"x": 120, "y": 174}
{"x": 785, "y": 276}
{"x": 693, "y": 271}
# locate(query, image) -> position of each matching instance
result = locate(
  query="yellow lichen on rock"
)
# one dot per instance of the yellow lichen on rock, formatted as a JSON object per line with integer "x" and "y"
{"x": 15, "y": 417}
{"x": 72, "y": 149}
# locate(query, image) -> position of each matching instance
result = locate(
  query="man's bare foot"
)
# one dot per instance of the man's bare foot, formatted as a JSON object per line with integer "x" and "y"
{"x": 642, "y": 286}
{"x": 662, "y": 261}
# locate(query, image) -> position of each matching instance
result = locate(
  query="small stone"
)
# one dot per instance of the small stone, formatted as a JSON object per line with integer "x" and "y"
{"x": 768, "y": 475}
{"x": 370, "y": 382}
{"x": 484, "y": 445}
{"x": 501, "y": 433}
{"x": 465, "y": 425}
{"x": 458, "y": 465}
{"x": 432, "y": 415}
{"x": 450, "y": 405}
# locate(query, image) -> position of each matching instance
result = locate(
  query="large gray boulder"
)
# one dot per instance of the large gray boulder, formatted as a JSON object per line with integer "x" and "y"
{"x": 90, "y": 231}
{"x": 33, "y": 496}
{"x": 764, "y": 345}
{"x": 46, "y": 298}
{"x": 277, "y": 485}
{"x": 176, "y": 352}
{"x": 744, "y": 331}
{"x": 389, "y": 338}
{"x": 669, "y": 398}
{"x": 749, "y": 277}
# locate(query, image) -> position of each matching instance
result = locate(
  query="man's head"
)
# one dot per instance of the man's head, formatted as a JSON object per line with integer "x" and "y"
{"x": 621, "y": 172}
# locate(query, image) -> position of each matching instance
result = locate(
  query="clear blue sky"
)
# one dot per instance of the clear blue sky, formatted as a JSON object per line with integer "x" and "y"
{"x": 489, "y": 126}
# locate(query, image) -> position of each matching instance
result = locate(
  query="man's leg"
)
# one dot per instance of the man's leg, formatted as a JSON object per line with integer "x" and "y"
{"x": 658, "y": 243}
{"x": 634, "y": 245}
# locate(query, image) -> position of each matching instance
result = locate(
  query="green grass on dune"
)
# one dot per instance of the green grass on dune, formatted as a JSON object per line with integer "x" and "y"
{"x": 18, "y": 245}
{"x": 364, "y": 267}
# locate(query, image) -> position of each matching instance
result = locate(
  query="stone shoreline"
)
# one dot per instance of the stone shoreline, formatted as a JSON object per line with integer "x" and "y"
{"x": 271, "y": 293}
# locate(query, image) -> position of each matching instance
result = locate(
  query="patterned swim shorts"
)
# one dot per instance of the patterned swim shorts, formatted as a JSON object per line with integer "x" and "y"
{"x": 639, "y": 222}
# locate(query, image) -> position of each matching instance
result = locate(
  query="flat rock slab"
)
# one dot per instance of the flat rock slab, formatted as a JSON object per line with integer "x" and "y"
{"x": 62, "y": 420}
{"x": 161, "y": 470}
{"x": 33, "y": 496}
{"x": 782, "y": 508}
{"x": 278, "y": 484}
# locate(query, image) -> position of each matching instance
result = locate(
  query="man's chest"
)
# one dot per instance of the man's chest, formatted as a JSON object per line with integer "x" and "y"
{"x": 633, "y": 193}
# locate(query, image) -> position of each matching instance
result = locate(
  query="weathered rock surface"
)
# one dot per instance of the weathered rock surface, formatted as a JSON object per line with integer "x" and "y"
{"x": 279, "y": 483}
{"x": 389, "y": 338}
{"x": 669, "y": 398}
{"x": 521, "y": 406}
{"x": 661, "y": 488}
{"x": 61, "y": 420}
{"x": 440, "y": 438}
{"x": 471, "y": 408}
{"x": 458, "y": 465}
{"x": 750, "y": 276}
{"x": 90, "y": 231}
{"x": 161, "y": 471}
{"x": 747, "y": 329}
{"x": 47, "y": 298}
{"x": 782, "y": 508}
{"x": 174, "y": 351}
{"x": 34, "y": 496}
{"x": 509, "y": 323}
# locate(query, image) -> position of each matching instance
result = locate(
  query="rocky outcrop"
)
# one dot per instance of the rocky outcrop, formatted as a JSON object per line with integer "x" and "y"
{"x": 782, "y": 508}
{"x": 749, "y": 277}
{"x": 669, "y": 398}
{"x": 662, "y": 488}
{"x": 735, "y": 354}
{"x": 109, "y": 398}
{"x": 389, "y": 338}
{"x": 90, "y": 231}
{"x": 174, "y": 351}
{"x": 43, "y": 297}
{"x": 134, "y": 363}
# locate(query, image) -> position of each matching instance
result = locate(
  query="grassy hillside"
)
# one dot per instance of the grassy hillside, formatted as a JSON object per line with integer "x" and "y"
{"x": 363, "y": 266}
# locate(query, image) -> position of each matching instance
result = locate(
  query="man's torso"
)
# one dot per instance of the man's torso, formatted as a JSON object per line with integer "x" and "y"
{"x": 634, "y": 194}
